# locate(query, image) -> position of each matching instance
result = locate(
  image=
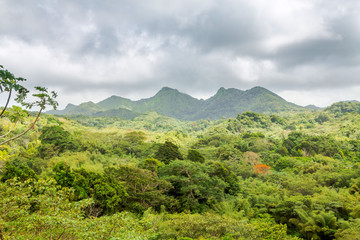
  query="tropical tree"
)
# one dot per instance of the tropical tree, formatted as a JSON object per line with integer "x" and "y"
{"x": 195, "y": 156}
{"x": 9, "y": 84}
{"x": 315, "y": 224}
{"x": 168, "y": 152}
{"x": 145, "y": 189}
{"x": 55, "y": 139}
{"x": 193, "y": 184}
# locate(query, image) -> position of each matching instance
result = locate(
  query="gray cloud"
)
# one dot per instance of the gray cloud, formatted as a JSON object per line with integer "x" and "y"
{"x": 341, "y": 50}
{"x": 88, "y": 50}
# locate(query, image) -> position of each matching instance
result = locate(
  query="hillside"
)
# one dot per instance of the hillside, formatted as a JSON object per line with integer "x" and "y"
{"x": 115, "y": 102}
{"x": 120, "y": 113}
{"x": 290, "y": 176}
{"x": 172, "y": 103}
{"x": 229, "y": 102}
{"x": 87, "y": 108}
{"x": 344, "y": 107}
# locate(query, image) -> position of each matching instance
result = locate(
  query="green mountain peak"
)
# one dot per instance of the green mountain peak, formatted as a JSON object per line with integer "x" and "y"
{"x": 167, "y": 90}
{"x": 221, "y": 91}
{"x": 173, "y": 103}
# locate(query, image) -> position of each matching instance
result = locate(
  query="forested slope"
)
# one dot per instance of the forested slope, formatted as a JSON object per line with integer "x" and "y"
{"x": 256, "y": 176}
{"x": 172, "y": 103}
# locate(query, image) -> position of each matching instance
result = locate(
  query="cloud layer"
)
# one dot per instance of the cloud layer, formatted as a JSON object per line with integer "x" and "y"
{"x": 304, "y": 50}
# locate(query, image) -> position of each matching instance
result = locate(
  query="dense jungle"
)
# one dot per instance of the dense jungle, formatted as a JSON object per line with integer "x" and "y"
{"x": 291, "y": 175}
{"x": 179, "y": 120}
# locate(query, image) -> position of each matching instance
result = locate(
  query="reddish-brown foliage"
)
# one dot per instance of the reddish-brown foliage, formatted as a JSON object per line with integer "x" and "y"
{"x": 262, "y": 169}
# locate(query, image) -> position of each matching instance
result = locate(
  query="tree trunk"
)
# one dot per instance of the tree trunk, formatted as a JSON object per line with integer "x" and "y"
{"x": 7, "y": 103}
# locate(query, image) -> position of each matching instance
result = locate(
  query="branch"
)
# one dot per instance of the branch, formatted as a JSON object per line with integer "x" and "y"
{"x": 109, "y": 235}
{"x": 7, "y": 103}
{"x": 1, "y": 235}
{"x": 10, "y": 129}
{"x": 21, "y": 134}
{"x": 61, "y": 234}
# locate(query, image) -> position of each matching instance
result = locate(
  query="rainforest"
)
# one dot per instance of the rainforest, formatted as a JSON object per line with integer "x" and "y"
{"x": 179, "y": 120}
{"x": 274, "y": 171}
{"x": 293, "y": 174}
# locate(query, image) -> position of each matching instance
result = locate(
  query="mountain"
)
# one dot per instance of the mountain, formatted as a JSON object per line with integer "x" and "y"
{"x": 120, "y": 113}
{"x": 230, "y": 102}
{"x": 170, "y": 102}
{"x": 313, "y": 107}
{"x": 115, "y": 102}
{"x": 70, "y": 107}
{"x": 222, "y": 104}
{"x": 87, "y": 108}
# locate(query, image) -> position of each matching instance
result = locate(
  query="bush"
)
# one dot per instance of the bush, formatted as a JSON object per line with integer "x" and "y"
{"x": 18, "y": 169}
{"x": 168, "y": 152}
{"x": 195, "y": 156}
{"x": 56, "y": 140}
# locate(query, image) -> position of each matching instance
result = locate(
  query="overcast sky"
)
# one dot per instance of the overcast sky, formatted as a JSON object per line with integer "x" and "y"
{"x": 307, "y": 51}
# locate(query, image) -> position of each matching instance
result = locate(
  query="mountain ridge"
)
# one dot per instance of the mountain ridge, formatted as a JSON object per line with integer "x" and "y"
{"x": 173, "y": 103}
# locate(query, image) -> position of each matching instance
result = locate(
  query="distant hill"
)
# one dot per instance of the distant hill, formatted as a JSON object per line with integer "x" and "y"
{"x": 344, "y": 107}
{"x": 115, "y": 102}
{"x": 170, "y": 102}
{"x": 230, "y": 102}
{"x": 313, "y": 107}
{"x": 87, "y": 108}
{"x": 120, "y": 113}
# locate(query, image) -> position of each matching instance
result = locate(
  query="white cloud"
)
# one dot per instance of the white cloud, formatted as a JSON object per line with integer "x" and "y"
{"x": 286, "y": 22}
{"x": 319, "y": 97}
{"x": 250, "y": 70}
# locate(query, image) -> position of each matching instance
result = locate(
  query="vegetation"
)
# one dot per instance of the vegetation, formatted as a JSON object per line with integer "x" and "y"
{"x": 9, "y": 84}
{"x": 172, "y": 103}
{"x": 293, "y": 175}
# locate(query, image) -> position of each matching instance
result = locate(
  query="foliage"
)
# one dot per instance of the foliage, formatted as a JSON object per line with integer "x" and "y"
{"x": 9, "y": 83}
{"x": 252, "y": 118}
{"x": 195, "y": 156}
{"x": 55, "y": 139}
{"x": 17, "y": 169}
{"x": 143, "y": 187}
{"x": 197, "y": 226}
{"x": 224, "y": 172}
{"x": 39, "y": 210}
{"x": 261, "y": 169}
{"x": 286, "y": 176}
{"x": 152, "y": 164}
{"x": 192, "y": 184}
{"x": 168, "y": 152}
{"x": 315, "y": 225}
{"x": 344, "y": 107}
{"x": 63, "y": 176}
